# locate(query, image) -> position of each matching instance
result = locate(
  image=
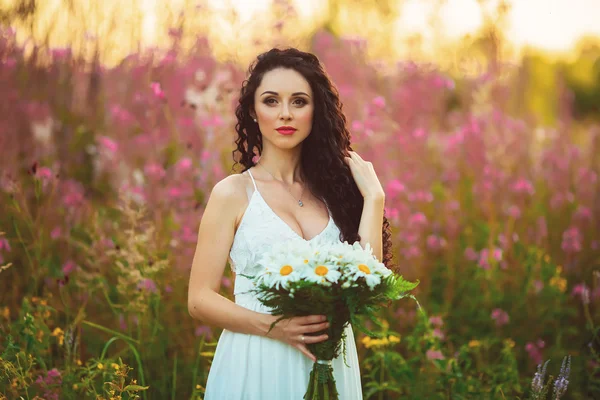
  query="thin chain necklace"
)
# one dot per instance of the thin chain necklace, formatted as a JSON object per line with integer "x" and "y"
{"x": 300, "y": 203}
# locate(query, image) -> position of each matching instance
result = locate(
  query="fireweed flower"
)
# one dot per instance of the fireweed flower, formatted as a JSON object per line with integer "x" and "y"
{"x": 470, "y": 254}
{"x": 436, "y": 320}
{"x": 148, "y": 285}
{"x": 394, "y": 187}
{"x": 417, "y": 219}
{"x": 572, "y": 240}
{"x": 434, "y": 355}
{"x": 535, "y": 350}
{"x": 435, "y": 242}
{"x": 500, "y": 316}
{"x": 50, "y": 383}
{"x": 579, "y": 289}
{"x": 523, "y": 186}
{"x": 157, "y": 90}
{"x": 484, "y": 257}
{"x": 154, "y": 171}
{"x": 69, "y": 267}
{"x": 437, "y": 332}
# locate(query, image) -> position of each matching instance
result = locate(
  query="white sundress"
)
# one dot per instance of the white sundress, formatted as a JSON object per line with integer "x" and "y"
{"x": 252, "y": 367}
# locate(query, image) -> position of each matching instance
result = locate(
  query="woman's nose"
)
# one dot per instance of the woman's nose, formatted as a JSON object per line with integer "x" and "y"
{"x": 285, "y": 111}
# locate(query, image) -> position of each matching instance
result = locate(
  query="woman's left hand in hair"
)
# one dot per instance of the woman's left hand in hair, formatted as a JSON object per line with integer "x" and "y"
{"x": 365, "y": 177}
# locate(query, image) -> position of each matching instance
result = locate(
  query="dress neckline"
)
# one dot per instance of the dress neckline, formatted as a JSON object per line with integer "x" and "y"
{"x": 256, "y": 192}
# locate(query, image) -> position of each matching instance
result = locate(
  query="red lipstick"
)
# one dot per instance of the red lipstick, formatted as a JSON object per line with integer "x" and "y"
{"x": 286, "y": 130}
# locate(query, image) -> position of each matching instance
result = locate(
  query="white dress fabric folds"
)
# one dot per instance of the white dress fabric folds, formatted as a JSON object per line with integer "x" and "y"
{"x": 250, "y": 367}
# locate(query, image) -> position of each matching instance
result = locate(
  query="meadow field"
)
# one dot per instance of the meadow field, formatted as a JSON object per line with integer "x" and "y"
{"x": 105, "y": 172}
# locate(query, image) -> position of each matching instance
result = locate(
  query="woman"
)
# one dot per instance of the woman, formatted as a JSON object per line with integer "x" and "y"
{"x": 306, "y": 184}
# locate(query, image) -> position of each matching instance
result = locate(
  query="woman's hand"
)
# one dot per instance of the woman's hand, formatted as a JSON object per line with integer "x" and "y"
{"x": 364, "y": 176}
{"x": 291, "y": 331}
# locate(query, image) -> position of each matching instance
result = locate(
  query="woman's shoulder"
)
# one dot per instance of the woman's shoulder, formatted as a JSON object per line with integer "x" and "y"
{"x": 231, "y": 193}
{"x": 231, "y": 187}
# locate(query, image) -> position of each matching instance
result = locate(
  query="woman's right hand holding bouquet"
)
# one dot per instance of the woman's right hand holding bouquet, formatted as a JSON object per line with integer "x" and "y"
{"x": 293, "y": 330}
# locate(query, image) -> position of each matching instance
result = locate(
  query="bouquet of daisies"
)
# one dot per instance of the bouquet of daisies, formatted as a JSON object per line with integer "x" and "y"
{"x": 341, "y": 280}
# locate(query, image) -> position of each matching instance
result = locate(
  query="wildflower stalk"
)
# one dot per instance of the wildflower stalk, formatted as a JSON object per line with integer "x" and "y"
{"x": 112, "y": 332}
{"x": 561, "y": 383}
{"x": 197, "y": 363}
{"x": 588, "y": 317}
{"x": 381, "y": 376}
{"x": 174, "y": 385}
{"x": 26, "y": 250}
{"x": 136, "y": 354}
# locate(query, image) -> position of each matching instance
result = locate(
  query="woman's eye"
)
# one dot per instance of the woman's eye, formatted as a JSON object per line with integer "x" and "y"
{"x": 297, "y": 101}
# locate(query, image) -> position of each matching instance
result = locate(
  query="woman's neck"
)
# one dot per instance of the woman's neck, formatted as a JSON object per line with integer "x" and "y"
{"x": 283, "y": 167}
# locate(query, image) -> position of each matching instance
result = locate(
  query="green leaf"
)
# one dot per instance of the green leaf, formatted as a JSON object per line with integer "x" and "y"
{"x": 133, "y": 388}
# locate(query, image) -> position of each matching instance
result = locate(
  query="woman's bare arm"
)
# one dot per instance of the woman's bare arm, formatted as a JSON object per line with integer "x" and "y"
{"x": 215, "y": 236}
{"x": 371, "y": 225}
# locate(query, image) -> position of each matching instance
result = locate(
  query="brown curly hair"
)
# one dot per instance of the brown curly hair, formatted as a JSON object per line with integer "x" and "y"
{"x": 325, "y": 172}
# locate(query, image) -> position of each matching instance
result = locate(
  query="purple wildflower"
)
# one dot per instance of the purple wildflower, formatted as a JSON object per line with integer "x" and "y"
{"x": 561, "y": 383}
{"x": 148, "y": 285}
{"x": 204, "y": 330}
{"x": 537, "y": 384}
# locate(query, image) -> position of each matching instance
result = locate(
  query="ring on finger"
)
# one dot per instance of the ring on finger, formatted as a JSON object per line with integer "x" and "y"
{"x": 302, "y": 338}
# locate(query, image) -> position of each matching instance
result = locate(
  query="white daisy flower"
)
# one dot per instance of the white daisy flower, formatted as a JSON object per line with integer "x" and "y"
{"x": 366, "y": 271}
{"x": 282, "y": 265}
{"x": 281, "y": 272}
{"x": 322, "y": 273}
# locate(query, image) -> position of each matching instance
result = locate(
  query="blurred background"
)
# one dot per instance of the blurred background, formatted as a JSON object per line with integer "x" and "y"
{"x": 481, "y": 118}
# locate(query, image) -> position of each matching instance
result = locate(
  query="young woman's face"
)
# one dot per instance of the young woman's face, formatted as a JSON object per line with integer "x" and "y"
{"x": 284, "y": 98}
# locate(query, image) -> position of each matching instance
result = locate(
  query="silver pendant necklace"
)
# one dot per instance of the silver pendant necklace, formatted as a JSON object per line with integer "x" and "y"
{"x": 300, "y": 203}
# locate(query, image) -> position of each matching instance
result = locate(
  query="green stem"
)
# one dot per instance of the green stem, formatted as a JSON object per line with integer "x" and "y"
{"x": 23, "y": 244}
{"x": 197, "y": 364}
{"x": 174, "y": 384}
{"x": 136, "y": 354}
{"x": 381, "y": 376}
{"x": 107, "y": 330}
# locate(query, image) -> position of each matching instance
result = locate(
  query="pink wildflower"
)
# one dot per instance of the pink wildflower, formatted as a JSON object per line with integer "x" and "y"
{"x": 434, "y": 355}
{"x": 394, "y": 187}
{"x": 154, "y": 171}
{"x": 157, "y": 90}
{"x": 500, "y": 316}
{"x": 69, "y": 267}
{"x": 379, "y": 102}
{"x": 108, "y": 144}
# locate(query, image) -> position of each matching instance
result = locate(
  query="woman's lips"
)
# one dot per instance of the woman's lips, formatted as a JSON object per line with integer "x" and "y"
{"x": 286, "y": 131}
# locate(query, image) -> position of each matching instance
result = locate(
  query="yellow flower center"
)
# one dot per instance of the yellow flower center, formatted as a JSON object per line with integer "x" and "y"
{"x": 321, "y": 270}
{"x": 286, "y": 270}
{"x": 364, "y": 268}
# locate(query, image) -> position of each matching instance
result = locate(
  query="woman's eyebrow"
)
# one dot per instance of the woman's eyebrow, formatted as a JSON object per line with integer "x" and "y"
{"x": 277, "y": 94}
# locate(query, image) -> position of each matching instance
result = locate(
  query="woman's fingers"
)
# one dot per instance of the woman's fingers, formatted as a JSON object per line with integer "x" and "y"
{"x": 315, "y": 327}
{"x": 307, "y": 353}
{"x": 310, "y": 340}
{"x": 315, "y": 339}
{"x": 310, "y": 319}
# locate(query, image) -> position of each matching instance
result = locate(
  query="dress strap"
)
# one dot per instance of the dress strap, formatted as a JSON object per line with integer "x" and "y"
{"x": 253, "y": 182}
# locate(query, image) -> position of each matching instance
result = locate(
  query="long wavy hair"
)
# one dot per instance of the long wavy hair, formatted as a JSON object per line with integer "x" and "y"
{"x": 324, "y": 170}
